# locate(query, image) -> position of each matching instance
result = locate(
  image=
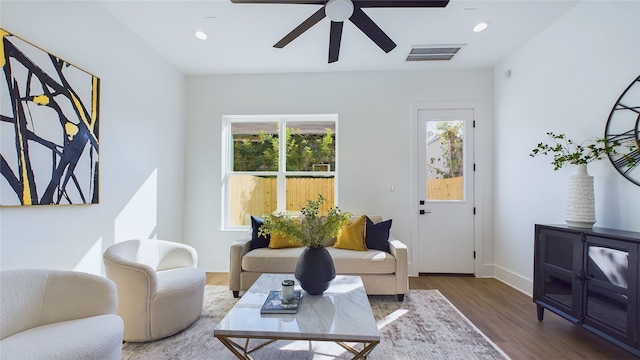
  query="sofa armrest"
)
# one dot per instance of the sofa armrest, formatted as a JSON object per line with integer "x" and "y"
{"x": 173, "y": 255}
{"x": 237, "y": 251}
{"x": 138, "y": 280}
{"x": 400, "y": 252}
{"x": 36, "y": 297}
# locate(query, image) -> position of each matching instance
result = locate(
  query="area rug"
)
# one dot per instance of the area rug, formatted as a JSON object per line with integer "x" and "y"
{"x": 425, "y": 326}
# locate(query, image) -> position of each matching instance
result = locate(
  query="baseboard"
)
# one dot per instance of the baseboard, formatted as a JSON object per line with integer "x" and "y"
{"x": 484, "y": 271}
{"x": 481, "y": 271}
{"x": 514, "y": 280}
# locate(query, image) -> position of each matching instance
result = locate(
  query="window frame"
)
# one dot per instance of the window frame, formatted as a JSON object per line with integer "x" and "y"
{"x": 281, "y": 174}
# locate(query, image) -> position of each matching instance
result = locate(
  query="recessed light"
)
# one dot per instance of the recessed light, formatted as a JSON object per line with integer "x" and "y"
{"x": 200, "y": 35}
{"x": 481, "y": 26}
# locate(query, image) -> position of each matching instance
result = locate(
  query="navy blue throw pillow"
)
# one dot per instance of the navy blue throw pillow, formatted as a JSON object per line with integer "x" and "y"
{"x": 256, "y": 240}
{"x": 377, "y": 235}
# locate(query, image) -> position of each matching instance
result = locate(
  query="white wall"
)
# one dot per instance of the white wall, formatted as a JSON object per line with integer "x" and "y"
{"x": 566, "y": 80}
{"x": 374, "y": 138}
{"x": 142, "y": 121}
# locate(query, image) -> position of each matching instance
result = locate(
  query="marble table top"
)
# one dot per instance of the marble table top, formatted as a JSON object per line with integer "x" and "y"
{"x": 342, "y": 313}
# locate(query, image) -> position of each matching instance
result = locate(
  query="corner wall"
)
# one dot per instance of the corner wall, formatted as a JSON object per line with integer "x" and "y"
{"x": 142, "y": 120}
{"x": 566, "y": 80}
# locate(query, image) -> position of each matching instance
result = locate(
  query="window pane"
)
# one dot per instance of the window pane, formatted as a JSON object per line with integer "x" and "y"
{"x": 303, "y": 188}
{"x": 251, "y": 195}
{"x": 311, "y": 146}
{"x": 260, "y": 147}
{"x": 254, "y": 146}
{"x": 445, "y": 178}
{"x": 608, "y": 307}
{"x": 609, "y": 265}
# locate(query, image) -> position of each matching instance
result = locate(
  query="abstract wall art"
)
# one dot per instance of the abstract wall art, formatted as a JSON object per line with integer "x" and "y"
{"x": 49, "y": 117}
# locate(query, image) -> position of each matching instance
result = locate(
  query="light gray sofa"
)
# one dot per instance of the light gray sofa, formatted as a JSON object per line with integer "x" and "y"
{"x": 58, "y": 314}
{"x": 382, "y": 273}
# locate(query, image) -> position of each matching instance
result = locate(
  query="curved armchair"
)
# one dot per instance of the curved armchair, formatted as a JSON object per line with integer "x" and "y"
{"x": 57, "y": 314}
{"x": 160, "y": 290}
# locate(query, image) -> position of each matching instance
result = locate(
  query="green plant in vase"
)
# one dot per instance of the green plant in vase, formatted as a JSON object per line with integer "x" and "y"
{"x": 580, "y": 211}
{"x": 311, "y": 230}
{"x": 315, "y": 268}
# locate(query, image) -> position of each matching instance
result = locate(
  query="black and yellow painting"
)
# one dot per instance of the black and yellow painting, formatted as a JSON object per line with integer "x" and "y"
{"x": 49, "y": 117}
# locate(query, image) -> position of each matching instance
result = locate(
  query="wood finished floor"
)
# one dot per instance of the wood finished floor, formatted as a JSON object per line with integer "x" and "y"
{"x": 508, "y": 318}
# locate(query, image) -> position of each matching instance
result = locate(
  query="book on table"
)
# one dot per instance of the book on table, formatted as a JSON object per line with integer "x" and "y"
{"x": 276, "y": 305}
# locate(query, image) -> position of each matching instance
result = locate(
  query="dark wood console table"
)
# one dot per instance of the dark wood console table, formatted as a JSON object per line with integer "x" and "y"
{"x": 590, "y": 277}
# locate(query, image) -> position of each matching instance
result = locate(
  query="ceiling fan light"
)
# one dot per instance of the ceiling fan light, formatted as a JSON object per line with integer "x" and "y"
{"x": 338, "y": 10}
{"x": 481, "y": 26}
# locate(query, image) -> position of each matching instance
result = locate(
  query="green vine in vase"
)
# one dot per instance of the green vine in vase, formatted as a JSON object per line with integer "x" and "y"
{"x": 566, "y": 151}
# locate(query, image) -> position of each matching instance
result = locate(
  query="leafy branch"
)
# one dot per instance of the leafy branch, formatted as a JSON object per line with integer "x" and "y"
{"x": 311, "y": 230}
{"x": 566, "y": 151}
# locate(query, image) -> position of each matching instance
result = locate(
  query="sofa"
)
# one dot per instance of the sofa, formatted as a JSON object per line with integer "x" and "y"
{"x": 58, "y": 314}
{"x": 160, "y": 288}
{"x": 383, "y": 272}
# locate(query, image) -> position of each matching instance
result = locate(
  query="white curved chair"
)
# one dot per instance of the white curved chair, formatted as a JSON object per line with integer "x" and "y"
{"x": 160, "y": 290}
{"x": 58, "y": 314}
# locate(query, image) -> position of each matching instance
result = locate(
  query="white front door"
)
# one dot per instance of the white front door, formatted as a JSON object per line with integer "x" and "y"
{"x": 445, "y": 190}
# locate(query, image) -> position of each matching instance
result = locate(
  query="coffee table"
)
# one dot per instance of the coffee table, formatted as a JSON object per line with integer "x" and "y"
{"x": 342, "y": 314}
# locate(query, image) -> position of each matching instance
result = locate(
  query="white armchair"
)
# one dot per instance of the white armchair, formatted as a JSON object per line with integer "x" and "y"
{"x": 57, "y": 314}
{"x": 160, "y": 289}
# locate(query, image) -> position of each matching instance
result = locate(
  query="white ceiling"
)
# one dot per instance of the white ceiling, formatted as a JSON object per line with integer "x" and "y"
{"x": 241, "y": 36}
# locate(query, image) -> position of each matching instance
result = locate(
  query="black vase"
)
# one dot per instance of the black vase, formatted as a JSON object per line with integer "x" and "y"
{"x": 315, "y": 270}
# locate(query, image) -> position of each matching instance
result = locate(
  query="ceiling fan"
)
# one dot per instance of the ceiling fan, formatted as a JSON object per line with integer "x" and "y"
{"x": 338, "y": 11}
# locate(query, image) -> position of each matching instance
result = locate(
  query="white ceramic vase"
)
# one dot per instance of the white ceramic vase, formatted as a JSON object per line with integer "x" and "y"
{"x": 581, "y": 212}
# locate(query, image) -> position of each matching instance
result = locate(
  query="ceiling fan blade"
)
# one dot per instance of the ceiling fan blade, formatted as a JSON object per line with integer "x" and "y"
{"x": 367, "y": 26}
{"x": 304, "y": 26}
{"x": 304, "y": 2}
{"x": 400, "y": 3}
{"x": 335, "y": 36}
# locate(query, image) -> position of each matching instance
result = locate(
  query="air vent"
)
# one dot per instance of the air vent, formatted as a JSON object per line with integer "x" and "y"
{"x": 433, "y": 52}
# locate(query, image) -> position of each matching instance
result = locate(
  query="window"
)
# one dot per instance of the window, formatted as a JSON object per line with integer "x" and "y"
{"x": 445, "y": 167}
{"x": 276, "y": 163}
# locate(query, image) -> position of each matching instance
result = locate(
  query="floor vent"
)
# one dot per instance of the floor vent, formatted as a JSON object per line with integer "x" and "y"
{"x": 433, "y": 52}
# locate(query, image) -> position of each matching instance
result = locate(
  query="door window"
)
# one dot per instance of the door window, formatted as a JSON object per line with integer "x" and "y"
{"x": 445, "y": 160}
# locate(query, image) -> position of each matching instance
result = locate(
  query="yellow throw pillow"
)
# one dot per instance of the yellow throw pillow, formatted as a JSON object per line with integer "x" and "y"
{"x": 278, "y": 241}
{"x": 351, "y": 236}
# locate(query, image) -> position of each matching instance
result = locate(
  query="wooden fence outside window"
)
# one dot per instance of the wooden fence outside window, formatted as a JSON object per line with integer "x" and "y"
{"x": 255, "y": 195}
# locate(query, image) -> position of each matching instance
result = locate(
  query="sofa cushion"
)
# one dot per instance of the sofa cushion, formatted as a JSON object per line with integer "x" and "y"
{"x": 375, "y": 218}
{"x": 279, "y": 241}
{"x": 351, "y": 236}
{"x": 345, "y": 261}
{"x": 362, "y": 262}
{"x": 272, "y": 260}
{"x": 180, "y": 279}
{"x": 258, "y": 241}
{"x": 377, "y": 235}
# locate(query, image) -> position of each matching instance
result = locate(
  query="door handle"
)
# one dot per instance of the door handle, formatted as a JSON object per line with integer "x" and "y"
{"x": 422, "y": 212}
